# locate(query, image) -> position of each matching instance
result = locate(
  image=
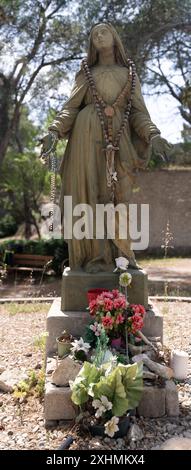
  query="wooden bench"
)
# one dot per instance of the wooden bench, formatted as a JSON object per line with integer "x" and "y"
{"x": 28, "y": 262}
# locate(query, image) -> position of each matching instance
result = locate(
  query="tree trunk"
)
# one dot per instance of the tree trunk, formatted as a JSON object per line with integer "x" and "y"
{"x": 4, "y": 145}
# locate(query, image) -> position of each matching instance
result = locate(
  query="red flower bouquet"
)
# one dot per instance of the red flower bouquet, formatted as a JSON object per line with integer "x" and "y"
{"x": 113, "y": 312}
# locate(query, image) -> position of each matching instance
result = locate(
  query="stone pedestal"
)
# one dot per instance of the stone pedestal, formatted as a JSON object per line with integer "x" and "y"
{"x": 70, "y": 313}
{"x": 76, "y": 321}
{"x": 75, "y": 286}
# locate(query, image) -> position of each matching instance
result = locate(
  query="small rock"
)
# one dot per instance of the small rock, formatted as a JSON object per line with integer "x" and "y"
{"x": 38, "y": 366}
{"x": 135, "y": 433}
{"x": 10, "y": 378}
{"x": 10, "y": 433}
{"x": 95, "y": 444}
{"x": 66, "y": 370}
{"x": 120, "y": 442}
{"x": 42, "y": 444}
{"x": 176, "y": 443}
{"x": 35, "y": 429}
{"x": 28, "y": 354}
{"x": 187, "y": 434}
{"x": 107, "y": 440}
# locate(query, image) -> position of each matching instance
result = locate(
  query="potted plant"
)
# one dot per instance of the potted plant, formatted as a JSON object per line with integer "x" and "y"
{"x": 64, "y": 343}
{"x": 108, "y": 393}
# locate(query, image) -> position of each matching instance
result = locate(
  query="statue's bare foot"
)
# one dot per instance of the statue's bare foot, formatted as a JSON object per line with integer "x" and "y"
{"x": 98, "y": 265}
{"x": 93, "y": 268}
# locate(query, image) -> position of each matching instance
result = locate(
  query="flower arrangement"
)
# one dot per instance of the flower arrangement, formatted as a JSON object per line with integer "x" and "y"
{"x": 112, "y": 312}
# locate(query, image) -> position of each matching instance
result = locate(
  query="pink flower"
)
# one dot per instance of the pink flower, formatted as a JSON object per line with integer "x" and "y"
{"x": 120, "y": 302}
{"x": 108, "y": 305}
{"x": 107, "y": 295}
{"x": 141, "y": 310}
{"x": 92, "y": 307}
{"x": 137, "y": 308}
{"x": 115, "y": 293}
{"x": 120, "y": 319}
{"x": 107, "y": 322}
{"x": 137, "y": 323}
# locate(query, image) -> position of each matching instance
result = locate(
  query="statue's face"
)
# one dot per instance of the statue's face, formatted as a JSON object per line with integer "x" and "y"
{"x": 102, "y": 37}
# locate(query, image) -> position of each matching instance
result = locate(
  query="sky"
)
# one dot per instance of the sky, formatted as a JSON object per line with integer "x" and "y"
{"x": 165, "y": 114}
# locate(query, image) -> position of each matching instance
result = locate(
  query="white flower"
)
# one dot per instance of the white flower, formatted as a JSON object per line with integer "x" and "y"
{"x": 125, "y": 279}
{"x": 80, "y": 345}
{"x": 102, "y": 406}
{"x": 100, "y": 411}
{"x": 96, "y": 328}
{"x": 106, "y": 402}
{"x": 121, "y": 263}
{"x": 96, "y": 403}
{"x": 111, "y": 427}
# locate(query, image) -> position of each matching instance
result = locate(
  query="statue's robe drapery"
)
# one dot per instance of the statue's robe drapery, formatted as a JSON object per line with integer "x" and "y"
{"x": 83, "y": 168}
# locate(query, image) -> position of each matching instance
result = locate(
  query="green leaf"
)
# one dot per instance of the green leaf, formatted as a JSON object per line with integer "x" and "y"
{"x": 132, "y": 378}
{"x": 82, "y": 386}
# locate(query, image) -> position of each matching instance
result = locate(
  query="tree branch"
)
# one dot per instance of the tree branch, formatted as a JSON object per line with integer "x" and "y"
{"x": 165, "y": 80}
{"x": 60, "y": 60}
{"x": 186, "y": 116}
{"x": 54, "y": 11}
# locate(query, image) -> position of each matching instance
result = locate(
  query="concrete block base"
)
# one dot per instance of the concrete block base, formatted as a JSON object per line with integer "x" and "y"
{"x": 75, "y": 323}
{"x": 159, "y": 401}
{"x": 58, "y": 404}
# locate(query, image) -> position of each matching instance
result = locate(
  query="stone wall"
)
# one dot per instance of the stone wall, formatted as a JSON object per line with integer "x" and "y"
{"x": 168, "y": 193}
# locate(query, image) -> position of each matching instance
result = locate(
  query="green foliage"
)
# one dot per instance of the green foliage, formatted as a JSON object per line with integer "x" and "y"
{"x": 8, "y": 225}
{"x": 82, "y": 386}
{"x": 34, "y": 307}
{"x": 101, "y": 347}
{"x": 122, "y": 386}
{"x": 89, "y": 335}
{"x": 40, "y": 341}
{"x": 33, "y": 385}
{"x": 23, "y": 181}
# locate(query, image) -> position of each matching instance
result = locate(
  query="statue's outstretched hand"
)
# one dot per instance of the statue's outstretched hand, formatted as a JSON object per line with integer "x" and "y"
{"x": 161, "y": 148}
{"x": 49, "y": 143}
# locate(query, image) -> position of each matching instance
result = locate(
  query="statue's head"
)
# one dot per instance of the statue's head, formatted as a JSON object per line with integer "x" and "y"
{"x": 104, "y": 35}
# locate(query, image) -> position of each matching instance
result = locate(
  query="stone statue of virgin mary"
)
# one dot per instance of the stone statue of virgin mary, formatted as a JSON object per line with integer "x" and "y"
{"x": 110, "y": 134}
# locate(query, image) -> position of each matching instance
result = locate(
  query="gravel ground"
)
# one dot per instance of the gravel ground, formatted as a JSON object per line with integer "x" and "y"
{"x": 22, "y": 425}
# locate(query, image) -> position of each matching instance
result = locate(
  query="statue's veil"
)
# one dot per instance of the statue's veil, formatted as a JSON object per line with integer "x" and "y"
{"x": 120, "y": 55}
